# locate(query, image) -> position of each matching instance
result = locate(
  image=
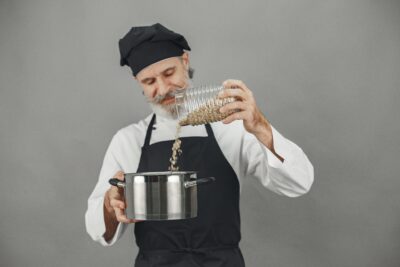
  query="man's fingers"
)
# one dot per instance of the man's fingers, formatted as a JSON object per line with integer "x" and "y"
{"x": 116, "y": 192}
{"x": 114, "y": 189}
{"x": 119, "y": 209}
{"x": 119, "y": 175}
{"x": 117, "y": 204}
{"x": 237, "y": 93}
{"x": 235, "y": 116}
{"x": 236, "y": 106}
{"x": 231, "y": 83}
{"x": 121, "y": 217}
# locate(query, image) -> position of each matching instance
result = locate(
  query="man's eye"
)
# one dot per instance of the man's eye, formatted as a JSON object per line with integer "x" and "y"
{"x": 169, "y": 73}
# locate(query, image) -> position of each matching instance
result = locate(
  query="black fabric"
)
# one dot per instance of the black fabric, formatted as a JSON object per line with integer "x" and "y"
{"x": 211, "y": 239}
{"x": 145, "y": 45}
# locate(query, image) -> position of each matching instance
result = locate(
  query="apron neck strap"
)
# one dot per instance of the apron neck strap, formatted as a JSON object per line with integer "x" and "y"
{"x": 210, "y": 132}
{"x": 149, "y": 130}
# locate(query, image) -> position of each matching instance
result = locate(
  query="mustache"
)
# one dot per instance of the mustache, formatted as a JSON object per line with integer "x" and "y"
{"x": 159, "y": 98}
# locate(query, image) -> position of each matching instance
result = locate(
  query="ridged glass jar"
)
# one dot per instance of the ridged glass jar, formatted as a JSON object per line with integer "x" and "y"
{"x": 200, "y": 105}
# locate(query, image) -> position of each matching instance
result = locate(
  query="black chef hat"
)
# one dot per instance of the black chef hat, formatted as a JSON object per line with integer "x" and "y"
{"x": 145, "y": 45}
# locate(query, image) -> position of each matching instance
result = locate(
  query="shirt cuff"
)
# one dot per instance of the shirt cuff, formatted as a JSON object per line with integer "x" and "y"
{"x": 282, "y": 147}
{"x": 98, "y": 227}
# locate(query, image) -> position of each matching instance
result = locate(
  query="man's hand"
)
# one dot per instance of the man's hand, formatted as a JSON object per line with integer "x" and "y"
{"x": 114, "y": 209}
{"x": 247, "y": 110}
{"x": 114, "y": 201}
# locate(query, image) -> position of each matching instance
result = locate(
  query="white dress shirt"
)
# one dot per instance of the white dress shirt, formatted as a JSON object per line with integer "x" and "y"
{"x": 248, "y": 157}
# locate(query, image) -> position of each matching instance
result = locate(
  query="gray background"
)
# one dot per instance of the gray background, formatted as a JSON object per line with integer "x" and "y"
{"x": 325, "y": 73}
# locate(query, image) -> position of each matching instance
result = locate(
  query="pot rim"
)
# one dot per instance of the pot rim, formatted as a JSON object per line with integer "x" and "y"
{"x": 162, "y": 173}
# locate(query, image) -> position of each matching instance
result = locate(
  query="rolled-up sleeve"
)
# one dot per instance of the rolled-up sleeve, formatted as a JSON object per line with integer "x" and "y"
{"x": 94, "y": 216}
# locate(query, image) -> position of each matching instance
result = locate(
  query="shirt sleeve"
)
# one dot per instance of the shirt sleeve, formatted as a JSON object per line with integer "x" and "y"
{"x": 293, "y": 177}
{"x": 252, "y": 159}
{"x": 94, "y": 217}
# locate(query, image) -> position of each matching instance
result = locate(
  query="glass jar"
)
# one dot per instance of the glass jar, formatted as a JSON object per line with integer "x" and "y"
{"x": 200, "y": 105}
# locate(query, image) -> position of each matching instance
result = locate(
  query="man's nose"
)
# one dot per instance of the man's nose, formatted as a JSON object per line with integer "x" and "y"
{"x": 163, "y": 87}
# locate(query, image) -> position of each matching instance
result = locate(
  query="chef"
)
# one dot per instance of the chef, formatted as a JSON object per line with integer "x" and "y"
{"x": 243, "y": 146}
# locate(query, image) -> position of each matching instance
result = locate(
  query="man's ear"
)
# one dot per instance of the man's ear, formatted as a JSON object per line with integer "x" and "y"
{"x": 185, "y": 60}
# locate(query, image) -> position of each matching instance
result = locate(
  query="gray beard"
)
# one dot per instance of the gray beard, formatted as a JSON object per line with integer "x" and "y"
{"x": 165, "y": 111}
{"x": 168, "y": 111}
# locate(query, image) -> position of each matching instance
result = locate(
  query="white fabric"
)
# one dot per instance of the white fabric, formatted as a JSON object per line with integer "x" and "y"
{"x": 248, "y": 157}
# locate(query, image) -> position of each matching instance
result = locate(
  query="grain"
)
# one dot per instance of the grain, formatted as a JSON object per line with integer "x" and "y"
{"x": 205, "y": 113}
{"x": 176, "y": 151}
{"x": 208, "y": 112}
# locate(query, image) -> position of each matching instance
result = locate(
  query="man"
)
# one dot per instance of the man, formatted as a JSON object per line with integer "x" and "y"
{"x": 243, "y": 145}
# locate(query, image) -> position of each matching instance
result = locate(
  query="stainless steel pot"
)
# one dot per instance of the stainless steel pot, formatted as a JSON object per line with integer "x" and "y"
{"x": 161, "y": 195}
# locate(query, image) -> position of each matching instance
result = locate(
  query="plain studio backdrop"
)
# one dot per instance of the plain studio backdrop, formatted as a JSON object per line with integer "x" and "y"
{"x": 325, "y": 73}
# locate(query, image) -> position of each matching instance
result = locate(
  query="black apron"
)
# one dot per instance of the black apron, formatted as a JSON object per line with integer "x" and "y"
{"x": 211, "y": 239}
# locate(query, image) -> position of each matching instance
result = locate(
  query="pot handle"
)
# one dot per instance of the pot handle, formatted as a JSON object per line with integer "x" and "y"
{"x": 116, "y": 182}
{"x": 192, "y": 183}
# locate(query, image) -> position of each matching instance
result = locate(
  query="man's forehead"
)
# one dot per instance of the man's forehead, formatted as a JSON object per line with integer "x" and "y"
{"x": 158, "y": 67}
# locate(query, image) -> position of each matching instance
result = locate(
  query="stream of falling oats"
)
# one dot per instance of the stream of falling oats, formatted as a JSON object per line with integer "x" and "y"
{"x": 176, "y": 151}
